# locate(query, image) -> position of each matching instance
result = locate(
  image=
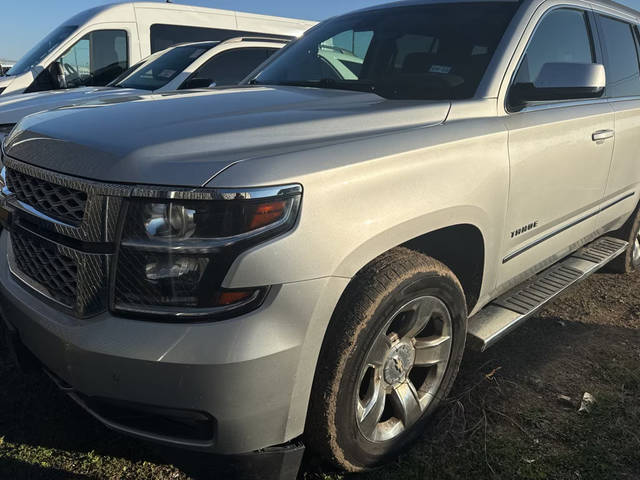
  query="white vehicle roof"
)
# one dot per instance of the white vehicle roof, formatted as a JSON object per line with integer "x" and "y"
{"x": 15, "y": 107}
{"x": 152, "y": 12}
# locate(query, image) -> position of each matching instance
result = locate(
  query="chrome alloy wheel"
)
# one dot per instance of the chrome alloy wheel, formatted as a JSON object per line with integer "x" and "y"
{"x": 403, "y": 369}
{"x": 635, "y": 256}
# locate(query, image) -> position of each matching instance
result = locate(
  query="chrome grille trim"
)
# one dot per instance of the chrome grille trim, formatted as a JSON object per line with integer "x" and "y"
{"x": 62, "y": 204}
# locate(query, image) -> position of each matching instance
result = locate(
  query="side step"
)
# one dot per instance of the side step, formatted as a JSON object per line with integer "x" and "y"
{"x": 510, "y": 310}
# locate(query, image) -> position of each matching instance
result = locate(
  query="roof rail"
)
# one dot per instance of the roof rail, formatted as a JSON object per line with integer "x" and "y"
{"x": 259, "y": 39}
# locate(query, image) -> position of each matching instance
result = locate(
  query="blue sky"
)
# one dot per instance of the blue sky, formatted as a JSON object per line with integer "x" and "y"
{"x": 24, "y": 22}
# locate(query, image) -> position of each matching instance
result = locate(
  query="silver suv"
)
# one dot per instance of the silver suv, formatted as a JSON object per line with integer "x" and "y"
{"x": 307, "y": 254}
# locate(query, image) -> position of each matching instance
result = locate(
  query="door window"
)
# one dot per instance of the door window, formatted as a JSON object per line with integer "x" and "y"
{"x": 623, "y": 71}
{"x": 228, "y": 67}
{"x": 563, "y": 36}
{"x": 95, "y": 60}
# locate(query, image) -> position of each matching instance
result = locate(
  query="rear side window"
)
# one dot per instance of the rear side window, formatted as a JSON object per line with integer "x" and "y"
{"x": 562, "y": 36}
{"x": 165, "y": 36}
{"x": 230, "y": 66}
{"x": 623, "y": 70}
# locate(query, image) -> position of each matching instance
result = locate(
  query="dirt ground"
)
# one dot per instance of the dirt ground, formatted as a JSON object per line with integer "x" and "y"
{"x": 504, "y": 418}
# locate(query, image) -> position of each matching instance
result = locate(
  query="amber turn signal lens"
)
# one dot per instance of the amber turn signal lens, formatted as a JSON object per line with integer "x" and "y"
{"x": 267, "y": 213}
{"x": 229, "y": 298}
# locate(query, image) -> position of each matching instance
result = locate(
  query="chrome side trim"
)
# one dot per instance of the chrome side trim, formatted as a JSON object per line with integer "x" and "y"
{"x": 564, "y": 228}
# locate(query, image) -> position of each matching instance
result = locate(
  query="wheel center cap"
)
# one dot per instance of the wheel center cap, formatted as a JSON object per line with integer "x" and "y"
{"x": 398, "y": 364}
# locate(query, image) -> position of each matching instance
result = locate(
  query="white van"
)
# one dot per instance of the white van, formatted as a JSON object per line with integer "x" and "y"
{"x": 5, "y": 66}
{"x": 97, "y": 45}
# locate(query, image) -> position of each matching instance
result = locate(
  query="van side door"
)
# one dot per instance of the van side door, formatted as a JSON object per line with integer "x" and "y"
{"x": 620, "y": 46}
{"x": 559, "y": 155}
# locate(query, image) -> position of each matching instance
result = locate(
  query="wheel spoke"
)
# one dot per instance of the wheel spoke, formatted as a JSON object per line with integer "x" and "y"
{"x": 370, "y": 414}
{"x": 432, "y": 351}
{"x": 379, "y": 350}
{"x": 407, "y": 404}
{"x": 421, "y": 314}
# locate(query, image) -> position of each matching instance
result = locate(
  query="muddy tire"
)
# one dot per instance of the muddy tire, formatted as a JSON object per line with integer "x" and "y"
{"x": 630, "y": 260}
{"x": 390, "y": 355}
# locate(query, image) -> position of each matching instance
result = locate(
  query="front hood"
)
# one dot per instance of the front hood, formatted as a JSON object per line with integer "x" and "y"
{"x": 185, "y": 138}
{"x": 14, "y": 108}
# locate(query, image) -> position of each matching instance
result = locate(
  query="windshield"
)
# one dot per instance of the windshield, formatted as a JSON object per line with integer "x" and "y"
{"x": 435, "y": 51}
{"x": 42, "y": 49}
{"x": 161, "y": 68}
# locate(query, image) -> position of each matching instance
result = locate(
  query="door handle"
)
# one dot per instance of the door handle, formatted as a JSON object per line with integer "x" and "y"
{"x": 602, "y": 135}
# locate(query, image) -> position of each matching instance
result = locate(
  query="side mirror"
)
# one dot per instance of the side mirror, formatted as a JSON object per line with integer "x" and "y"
{"x": 561, "y": 81}
{"x": 196, "y": 83}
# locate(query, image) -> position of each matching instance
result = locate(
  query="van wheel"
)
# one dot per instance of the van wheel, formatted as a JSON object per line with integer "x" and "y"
{"x": 629, "y": 261}
{"x": 390, "y": 355}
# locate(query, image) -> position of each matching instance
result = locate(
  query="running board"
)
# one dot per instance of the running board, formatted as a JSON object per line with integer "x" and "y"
{"x": 511, "y": 309}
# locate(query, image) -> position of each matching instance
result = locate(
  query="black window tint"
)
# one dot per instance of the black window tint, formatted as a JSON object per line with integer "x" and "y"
{"x": 562, "y": 36}
{"x": 403, "y": 51}
{"x": 230, "y": 66}
{"x": 165, "y": 36}
{"x": 623, "y": 74}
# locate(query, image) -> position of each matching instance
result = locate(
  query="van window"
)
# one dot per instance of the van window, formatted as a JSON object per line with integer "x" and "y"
{"x": 562, "y": 36}
{"x": 165, "y": 36}
{"x": 623, "y": 71}
{"x": 95, "y": 60}
{"x": 229, "y": 67}
{"x": 47, "y": 45}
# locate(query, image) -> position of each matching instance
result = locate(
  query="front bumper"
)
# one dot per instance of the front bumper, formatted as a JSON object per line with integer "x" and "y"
{"x": 251, "y": 375}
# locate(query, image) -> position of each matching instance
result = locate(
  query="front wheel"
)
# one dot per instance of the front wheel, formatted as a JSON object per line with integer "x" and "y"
{"x": 390, "y": 356}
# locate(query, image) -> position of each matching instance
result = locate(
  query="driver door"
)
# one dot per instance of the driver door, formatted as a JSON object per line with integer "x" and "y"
{"x": 559, "y": 152}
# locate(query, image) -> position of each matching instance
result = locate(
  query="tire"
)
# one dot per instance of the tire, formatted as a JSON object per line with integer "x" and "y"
{"x": 629, "y": 261}
{"x": 367, "y": 352}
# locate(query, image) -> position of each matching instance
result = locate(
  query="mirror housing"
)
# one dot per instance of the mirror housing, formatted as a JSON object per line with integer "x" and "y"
{"x": 561, "y": 81}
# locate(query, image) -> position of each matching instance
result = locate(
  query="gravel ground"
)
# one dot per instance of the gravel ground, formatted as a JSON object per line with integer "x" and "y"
{"x": 504, "y": 418}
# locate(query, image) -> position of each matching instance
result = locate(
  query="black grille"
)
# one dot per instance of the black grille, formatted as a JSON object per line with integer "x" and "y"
{"x": 42, "y": 262}
{"x": 64, "y": 204}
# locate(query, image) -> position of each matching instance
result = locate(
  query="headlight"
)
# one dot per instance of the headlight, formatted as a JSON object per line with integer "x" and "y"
{"x": 174, "y": 254}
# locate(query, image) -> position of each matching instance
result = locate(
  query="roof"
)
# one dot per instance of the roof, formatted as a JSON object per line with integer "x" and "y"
{"x": 408, "y": 3}
{"x": 86, "y": 14}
